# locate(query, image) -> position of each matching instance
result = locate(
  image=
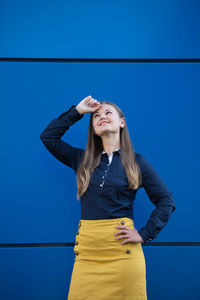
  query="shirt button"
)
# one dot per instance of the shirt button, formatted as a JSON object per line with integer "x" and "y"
{"x": 77, "y": 232}
{"x": 128, "y": 251}
{"x": 122, "y": 222}
{"x": 102, "y": 176}
{"x": 76, "y": 252}
{"x": 76, "y": 242}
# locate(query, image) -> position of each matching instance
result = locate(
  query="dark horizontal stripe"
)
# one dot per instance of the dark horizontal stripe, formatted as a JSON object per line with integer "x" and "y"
{"x": 73, "y": 244}
{"x": 101, "y": 60}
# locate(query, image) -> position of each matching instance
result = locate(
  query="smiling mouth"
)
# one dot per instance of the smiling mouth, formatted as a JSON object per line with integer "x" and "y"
{"x": 103, "y": 123}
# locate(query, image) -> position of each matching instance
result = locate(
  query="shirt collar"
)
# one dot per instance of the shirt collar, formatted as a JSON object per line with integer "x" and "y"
{"x": 118, "y": 151}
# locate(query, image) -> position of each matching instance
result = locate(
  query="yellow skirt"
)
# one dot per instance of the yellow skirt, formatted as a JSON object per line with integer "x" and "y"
{"x": 103, "y": 268}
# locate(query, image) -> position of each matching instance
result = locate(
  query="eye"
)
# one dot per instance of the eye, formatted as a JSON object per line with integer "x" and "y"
{"x": 106, "y": 113}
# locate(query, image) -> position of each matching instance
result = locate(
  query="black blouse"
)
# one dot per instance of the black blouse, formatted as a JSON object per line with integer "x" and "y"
{"x": 108, "y": 195}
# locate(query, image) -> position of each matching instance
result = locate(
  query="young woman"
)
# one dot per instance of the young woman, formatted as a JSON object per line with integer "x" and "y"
{"x": 109, "y": 259}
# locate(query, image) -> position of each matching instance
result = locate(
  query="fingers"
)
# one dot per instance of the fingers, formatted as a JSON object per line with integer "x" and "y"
{"x": 125, "y": 232}
{"x": 91, "y": 101}
{"x": 88, "y": 98}
{"x": 122, "y": 237}
{"x": 124, "y": 227}
{"x": 121, "y": 231}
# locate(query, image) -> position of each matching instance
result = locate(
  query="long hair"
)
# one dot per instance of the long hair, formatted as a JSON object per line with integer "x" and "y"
{"x": 92, "y": 156}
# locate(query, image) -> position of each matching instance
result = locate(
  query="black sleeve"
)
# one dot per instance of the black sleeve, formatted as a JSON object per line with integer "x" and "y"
{"x": 51, "y": 138}
{"x": 160, "y": 196}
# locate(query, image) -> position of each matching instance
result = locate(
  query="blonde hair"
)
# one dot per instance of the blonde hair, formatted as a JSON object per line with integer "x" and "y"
{"x": 92, "y": 156}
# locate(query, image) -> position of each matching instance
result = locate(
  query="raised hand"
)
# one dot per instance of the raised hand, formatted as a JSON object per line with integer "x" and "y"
{"x": 88, "y": 104}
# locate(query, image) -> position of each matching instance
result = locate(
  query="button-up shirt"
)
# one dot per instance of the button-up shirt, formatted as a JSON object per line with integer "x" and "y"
{"x": 107, "y": 195}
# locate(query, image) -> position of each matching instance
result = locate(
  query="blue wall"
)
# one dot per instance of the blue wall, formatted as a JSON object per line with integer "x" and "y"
{"x": 39, "y": 211}
{"x": 100, "y": 29}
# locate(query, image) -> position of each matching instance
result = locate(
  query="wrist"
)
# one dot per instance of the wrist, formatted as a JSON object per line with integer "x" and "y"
{"x": 79, "y": 110}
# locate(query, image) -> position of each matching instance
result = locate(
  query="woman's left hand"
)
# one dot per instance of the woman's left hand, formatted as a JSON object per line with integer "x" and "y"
{"x": 132, "y": 235}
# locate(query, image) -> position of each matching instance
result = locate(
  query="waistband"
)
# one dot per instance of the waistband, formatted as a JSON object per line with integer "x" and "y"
{"x": 106, "y": 222}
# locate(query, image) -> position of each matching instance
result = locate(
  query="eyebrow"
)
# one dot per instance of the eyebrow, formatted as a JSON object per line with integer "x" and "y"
{"x": 105, "y": 110}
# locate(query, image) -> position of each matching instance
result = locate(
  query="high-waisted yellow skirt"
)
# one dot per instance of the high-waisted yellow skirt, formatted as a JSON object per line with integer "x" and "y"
{"x": 103, "y": 268}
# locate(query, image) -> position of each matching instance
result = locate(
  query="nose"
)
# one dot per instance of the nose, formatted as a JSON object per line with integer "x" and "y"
{"x": 102, "y": 116}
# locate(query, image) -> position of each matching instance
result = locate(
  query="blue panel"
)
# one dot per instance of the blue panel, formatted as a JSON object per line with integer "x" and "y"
{"x": 172, "y": 273}
{"x": 161, "y": 105}
{"x": 100, "y": 29}
{"x": 45, "y": 273}
{"x": 35, "y": 273}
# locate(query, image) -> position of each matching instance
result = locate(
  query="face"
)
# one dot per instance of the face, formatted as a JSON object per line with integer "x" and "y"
{"x": 106, "y": 120}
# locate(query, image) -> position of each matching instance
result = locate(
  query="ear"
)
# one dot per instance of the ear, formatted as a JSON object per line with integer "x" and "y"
{"x": 122, "y": 122}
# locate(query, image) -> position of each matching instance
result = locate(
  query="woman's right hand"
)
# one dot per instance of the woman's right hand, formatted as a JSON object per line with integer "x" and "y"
{"x": 88, "y": 104}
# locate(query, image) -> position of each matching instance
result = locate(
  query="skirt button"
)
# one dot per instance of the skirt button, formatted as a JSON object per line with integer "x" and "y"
{"x": 122, "y": 222}
{"x": 128, "y": 251}
{"x": 76, "y": 242}
{"x": 76, "y": 252}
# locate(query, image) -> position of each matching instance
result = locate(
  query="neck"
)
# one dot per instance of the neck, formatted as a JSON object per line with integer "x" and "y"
{"x": 111, "y": 149}
{"x": 110, "y": 143}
